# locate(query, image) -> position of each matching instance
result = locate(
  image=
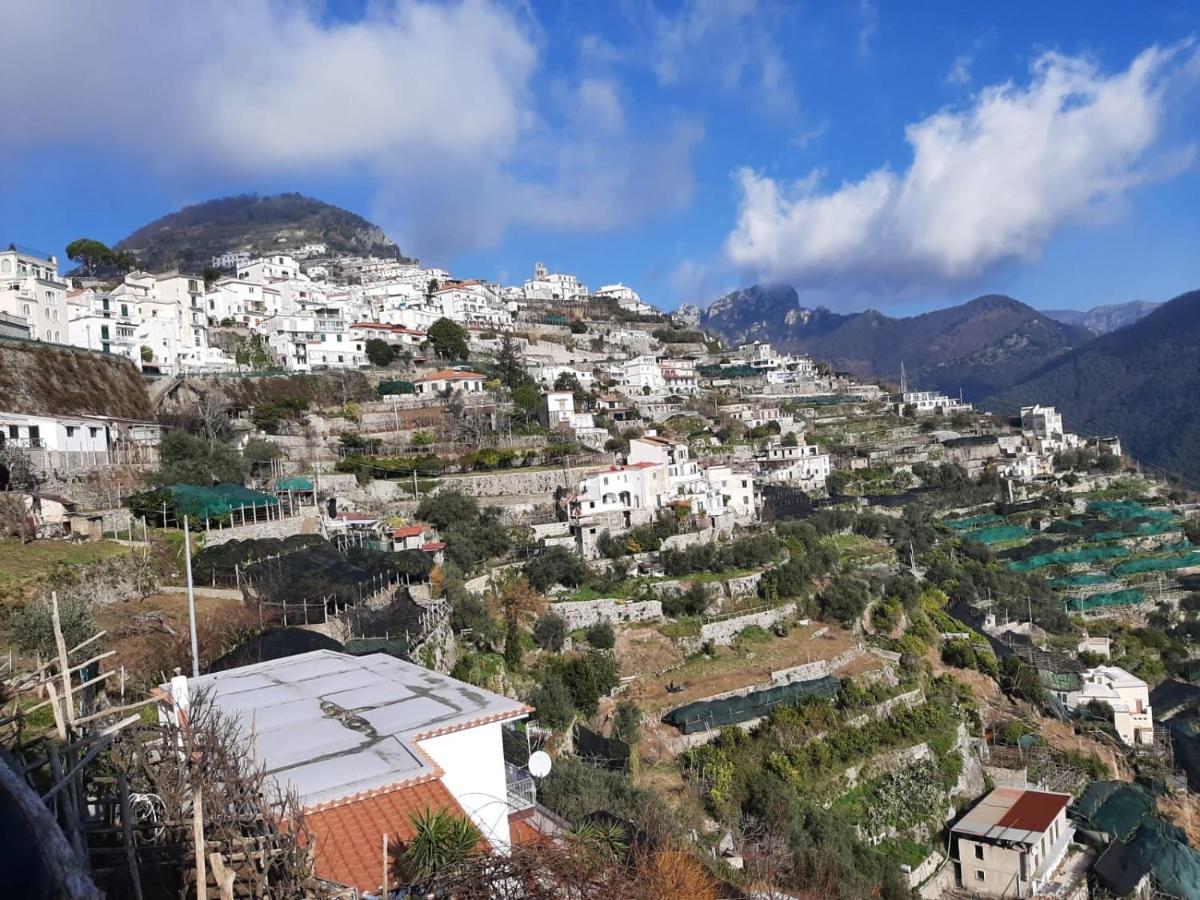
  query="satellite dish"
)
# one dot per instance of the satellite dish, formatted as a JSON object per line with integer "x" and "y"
{"x": 540, "y": 763}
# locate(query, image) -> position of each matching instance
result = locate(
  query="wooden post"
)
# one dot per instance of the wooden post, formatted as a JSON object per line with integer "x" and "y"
{"x": 127, "y": 834}
{"x": 224, "y": 877}
{"x": 64, "y": 667}
{"x": 198, "y": 840}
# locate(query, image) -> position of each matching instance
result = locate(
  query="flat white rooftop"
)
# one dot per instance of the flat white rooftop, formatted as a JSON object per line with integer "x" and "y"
{"x": 332, "y": 725}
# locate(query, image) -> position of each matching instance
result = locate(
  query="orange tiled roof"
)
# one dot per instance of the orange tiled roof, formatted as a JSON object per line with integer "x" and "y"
{"x": 450, "y": 375}
{"x": 348, "y": 839}
{"x": 409, "y": 531}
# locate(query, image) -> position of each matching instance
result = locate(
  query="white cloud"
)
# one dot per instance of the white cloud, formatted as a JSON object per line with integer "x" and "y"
{"x": 960, "y": 69}
{"x": 868, "y": 27}
{"x": 987, "y": 184}
{"x": 732, "y": 40}
{"x": 436, "y": 101}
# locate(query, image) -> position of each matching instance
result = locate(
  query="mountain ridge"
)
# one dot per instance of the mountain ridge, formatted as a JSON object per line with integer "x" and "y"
{"x": 982, "y": 346}
{"x": 1106, "y": 317}
{"x": 1139, "y": 382}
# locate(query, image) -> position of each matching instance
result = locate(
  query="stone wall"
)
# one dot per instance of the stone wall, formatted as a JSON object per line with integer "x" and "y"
{"x": 818, "y": 668}
{"x": 276, "y": 528}
{"x": 585, "y": 613}
{"x": 724, "y": 631}
{"x": 517, "y": 481}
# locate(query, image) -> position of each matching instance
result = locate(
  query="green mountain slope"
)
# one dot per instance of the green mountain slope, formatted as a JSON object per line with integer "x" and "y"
{"x": 188, "y": 239}
{"x": 1141, "y": 382}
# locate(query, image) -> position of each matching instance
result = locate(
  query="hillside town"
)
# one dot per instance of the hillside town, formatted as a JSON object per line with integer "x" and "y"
{"x": 340, "y": 576}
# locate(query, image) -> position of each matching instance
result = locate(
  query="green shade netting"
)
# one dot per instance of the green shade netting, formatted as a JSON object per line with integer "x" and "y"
{"x": 1082, "y": 580}
{"x": 727, "y": 371}
{"x": 1066, "y": 682}
{"x": 1157, "y": 564}
{"x": 827, "y": 399}
{"x": 705, "y": 715}
{"x": 1128, "y": 509}
{"x": 1142, "y": 530}
{"x": 999, "y": 533}
{"x": 295, "y": 483}
{"x": 1097, "y": 601}
{"x": 1067, "y": 557}
{"x": 1115, "y": 807}
{"x": 972, "y": 522}
{"x": 213, "y": 502}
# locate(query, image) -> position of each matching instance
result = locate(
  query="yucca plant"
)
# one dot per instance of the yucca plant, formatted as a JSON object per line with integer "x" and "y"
{"x": 440, "y": 840}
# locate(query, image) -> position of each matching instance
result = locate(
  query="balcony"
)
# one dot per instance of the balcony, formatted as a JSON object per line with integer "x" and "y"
{"x": 522, "y": 792}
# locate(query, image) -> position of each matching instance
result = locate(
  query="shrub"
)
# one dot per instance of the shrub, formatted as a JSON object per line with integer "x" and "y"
{"x": 557, "y": 565}
{"x": 602, "y": 636}
{"x": 550, "y": 632}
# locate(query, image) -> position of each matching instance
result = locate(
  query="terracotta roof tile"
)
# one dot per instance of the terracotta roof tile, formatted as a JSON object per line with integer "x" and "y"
{"x": 348, "y": 839}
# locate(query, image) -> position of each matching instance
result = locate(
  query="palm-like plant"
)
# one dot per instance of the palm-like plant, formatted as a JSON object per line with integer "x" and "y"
{"x": 440, "y": 840}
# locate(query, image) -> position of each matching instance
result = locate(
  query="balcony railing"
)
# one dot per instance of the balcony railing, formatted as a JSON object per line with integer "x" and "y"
{"x": 522, "y": 792}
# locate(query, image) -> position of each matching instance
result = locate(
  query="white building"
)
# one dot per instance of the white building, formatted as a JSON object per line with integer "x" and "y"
{"x": 472, "y": 303}
{"x": 685, "y": 479}
{"x": 729, "y": 490}
{"x": 406, "y": 338}
{"x": 627, "y": 298}
{"x": 449, "y": 379}
{"x": 366, "y": 742}
{"x": 558, "y": 412}
{"x": 32, "y": 290}
{"x": 925, "y": 403}
{"x": 1128, "y": 696}
{"x": 546, "y": 285}
{"x": 805, "y": 465}
{"x": 679, "y": 374}
{"x": 642, "y": 374}
{"x": 75, "y": 434}
{"x": 622, "y": 490}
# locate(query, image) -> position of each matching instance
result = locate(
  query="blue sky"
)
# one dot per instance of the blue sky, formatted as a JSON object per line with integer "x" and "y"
{"x": 896, "y": 155}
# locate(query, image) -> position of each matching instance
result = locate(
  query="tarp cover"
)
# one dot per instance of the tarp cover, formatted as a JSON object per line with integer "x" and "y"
{"x": 214, "y": 502}
{"x": 706, "y": 715}
{"x": 1113, "y": 598}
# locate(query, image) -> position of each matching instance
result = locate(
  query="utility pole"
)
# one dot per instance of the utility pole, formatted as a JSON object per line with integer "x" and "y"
{"x": 191, "y": 595}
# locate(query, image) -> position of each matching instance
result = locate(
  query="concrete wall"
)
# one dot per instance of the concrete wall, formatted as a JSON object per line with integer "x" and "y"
{"x": 473, "y": 762}
{"x": 585, "y": 613}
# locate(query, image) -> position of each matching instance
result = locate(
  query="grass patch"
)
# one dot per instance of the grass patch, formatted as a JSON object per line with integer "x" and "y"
{"x": 23, "y": 565}
{"x": 905, "y": 851}
{"x": 687, "y": 626}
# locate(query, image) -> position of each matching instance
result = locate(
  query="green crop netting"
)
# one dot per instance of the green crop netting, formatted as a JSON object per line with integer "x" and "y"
{"x": 1174, "y": 865}
{"x": 1098, "y": 601}
{"x": 1145, "y": 529}
{"x": 214, "y": 502}
{"x": 1082, "y": 580}
{"x": 1158, "y": 564}
{"x": 1128, "y": 509}
{"x": 973, "y": 522}
{"x": 999, "y": 534}
{"x": 1115, "y": 807}
{"x": 711, "y": 715}
{"x": 1067, "y": 558}
{"x": 295, "y": 483}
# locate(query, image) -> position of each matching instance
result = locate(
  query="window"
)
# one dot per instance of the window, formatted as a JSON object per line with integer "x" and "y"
{"x": 14, "y": 432}
{"x": 979, "y": 851}
{"x": 93, "y": 431}
{"x": 70, "y": 431}
{"x": 35, "y": 435}
{"x": 979, "y": 876}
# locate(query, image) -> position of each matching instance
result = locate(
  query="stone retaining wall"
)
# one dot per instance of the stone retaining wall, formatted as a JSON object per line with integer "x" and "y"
{"x": 818, "y": 668}
{"x": 276, "y": 528}
{"x": 723, "y": 632}
{"x": 518, "y": 481}
{"x": 585, "y": 613}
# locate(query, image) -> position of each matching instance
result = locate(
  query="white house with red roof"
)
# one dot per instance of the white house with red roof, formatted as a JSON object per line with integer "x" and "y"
{"x": 366, "y": 742}
{"x": 449, "y": 379}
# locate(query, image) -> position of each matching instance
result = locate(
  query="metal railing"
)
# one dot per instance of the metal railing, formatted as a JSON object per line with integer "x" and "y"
{"x": 522, "y": 792}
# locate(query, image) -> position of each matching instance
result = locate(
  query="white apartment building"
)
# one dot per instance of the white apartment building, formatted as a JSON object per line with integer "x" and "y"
{"x": 621, "y": 489}
{"x": 472, "y": 303}
{"x": 805, "y": 465}
{"x": 549, "y": 373}
{"x": 547, "y": 285}
{"x": 319, "y": 340}
{"x": 925, "y": 403}
{"x": 558, "y": 412}
{"x": 231, "y": 260}
{"x": 684, "y": 477}
{"x": 641, "y": 372}
{"x": 679, "y": 374}
{"x": 408, "y": 338}
{"x": 729, "y": 490}
{"x": 627, "y": 298}
{"x": 32, "y": 290}
{"x": 76, "y": 434}
{"x": 1128, "y": 696}
{"x": 270, "y": 268}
